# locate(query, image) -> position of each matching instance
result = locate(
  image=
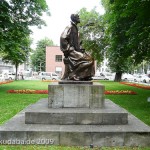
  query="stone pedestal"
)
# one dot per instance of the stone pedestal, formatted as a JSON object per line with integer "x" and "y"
{"x": 75, "y": 95}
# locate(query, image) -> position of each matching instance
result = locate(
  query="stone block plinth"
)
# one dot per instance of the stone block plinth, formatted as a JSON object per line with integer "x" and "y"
{"x": 110, "y": 115}
{"x": 75, "y": 95}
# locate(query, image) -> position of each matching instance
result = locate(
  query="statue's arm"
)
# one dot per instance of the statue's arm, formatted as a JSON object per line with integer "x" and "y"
{"x": 64, "y": 41}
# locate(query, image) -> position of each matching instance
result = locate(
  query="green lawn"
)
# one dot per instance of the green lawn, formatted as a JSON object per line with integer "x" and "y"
{"x": 46, "y": 147}
{"x": 11, "y": 104}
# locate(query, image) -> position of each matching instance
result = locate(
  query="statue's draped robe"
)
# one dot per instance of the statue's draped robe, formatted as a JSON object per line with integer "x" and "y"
{"x": 77, "y": 63}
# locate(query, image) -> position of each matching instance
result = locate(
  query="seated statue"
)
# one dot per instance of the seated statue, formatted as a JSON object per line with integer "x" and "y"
{"x": 79, "y": 65}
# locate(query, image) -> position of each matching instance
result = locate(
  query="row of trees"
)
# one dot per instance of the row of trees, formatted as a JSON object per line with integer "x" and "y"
{"x": 15, "y": 18}
{"x": 122, "y": 33}
{"x": 127, "y": 28}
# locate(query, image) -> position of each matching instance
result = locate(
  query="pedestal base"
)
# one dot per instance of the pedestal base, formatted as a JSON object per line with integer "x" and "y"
{"x": 15, "y": 131}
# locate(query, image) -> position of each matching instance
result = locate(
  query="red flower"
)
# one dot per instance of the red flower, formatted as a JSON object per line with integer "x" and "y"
{"x": 28, "y": 91}
{"x": 5, "y": 82}
{"x": 136, "y": 85}
{"x": 49, "y": 80}
{"x": 121, "y": 92}
{"x": 41, "y": 92}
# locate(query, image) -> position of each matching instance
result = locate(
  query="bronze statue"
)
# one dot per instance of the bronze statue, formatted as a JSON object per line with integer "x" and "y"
{"x": 79, "y": 65}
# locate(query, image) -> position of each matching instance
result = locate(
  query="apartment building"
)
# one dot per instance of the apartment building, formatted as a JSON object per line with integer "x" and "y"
{"x": 5, "y": 67}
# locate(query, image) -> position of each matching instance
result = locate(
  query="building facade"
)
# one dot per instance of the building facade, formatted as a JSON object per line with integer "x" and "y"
{"x": 54, "y": 60}
{"x": 10, "y": 68}
{"x": 5, "y": 67}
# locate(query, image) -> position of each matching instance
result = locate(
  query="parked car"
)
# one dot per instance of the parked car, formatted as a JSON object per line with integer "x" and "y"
{"x": 145, "y": 79}
{"x": 48, "y": 76}
{"x": 2, "y": 77}
{"x": 110, "y": 76}
{"x": 142, "y": 78}
{"x": 127, "y": 77}
{"x": 7, "y": 76}
{"x": 98, "y": 77}
{"x": 10, "y": 76}
{"x": 137, "y": 78}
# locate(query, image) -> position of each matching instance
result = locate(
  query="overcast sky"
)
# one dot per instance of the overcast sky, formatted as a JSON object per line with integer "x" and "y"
{"x": 60, "y": 17}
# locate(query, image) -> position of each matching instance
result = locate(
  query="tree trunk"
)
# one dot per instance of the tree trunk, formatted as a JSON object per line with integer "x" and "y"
{"x": 118, "y": 76}
{"x": 16, "y": 74}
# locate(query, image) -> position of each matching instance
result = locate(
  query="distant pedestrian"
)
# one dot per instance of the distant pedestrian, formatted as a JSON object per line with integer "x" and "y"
{"x": 21, "y": 74}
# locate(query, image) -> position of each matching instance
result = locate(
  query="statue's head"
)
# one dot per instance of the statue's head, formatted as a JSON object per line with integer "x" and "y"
{"x": 75, "y": 18}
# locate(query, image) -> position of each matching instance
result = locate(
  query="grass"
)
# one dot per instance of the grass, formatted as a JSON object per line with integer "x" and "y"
{"x": 46, "y": 147}
{"x": 11, "y": 104}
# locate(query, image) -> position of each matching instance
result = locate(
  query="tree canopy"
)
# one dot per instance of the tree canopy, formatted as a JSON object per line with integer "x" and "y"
{"x": 91, "y": 30}
{"x": 127, "y": 32}
{"x": 39, "y": 55}
{"x": 16, "y": 16}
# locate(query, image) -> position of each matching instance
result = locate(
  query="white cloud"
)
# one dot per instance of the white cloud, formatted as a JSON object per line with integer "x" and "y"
{"x": 60, "y": 17}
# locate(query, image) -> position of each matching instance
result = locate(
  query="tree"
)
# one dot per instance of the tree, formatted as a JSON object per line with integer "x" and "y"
{"x": 139, "y": 31}
{"x": 39, "y": 56}
{"x": 91, "y": 30}
{"x": 127, "y": 33}
{"x": 15, "y": 19}
{"x": 19, "y": 54}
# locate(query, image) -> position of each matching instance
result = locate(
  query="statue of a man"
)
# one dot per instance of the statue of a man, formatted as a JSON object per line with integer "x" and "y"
{"x": 78, "y": 64}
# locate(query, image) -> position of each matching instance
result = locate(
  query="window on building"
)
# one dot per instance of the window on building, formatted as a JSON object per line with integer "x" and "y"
{"x": 58, "y": 58}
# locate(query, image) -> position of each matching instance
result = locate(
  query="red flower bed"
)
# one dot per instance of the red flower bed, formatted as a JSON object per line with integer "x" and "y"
{"x": 5, "y": 82}
{"x": 136, "y": 85}
{"x": 28, "y": 91}
{"x": 120, "y": 92}
{"x": 50, "y": 81}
